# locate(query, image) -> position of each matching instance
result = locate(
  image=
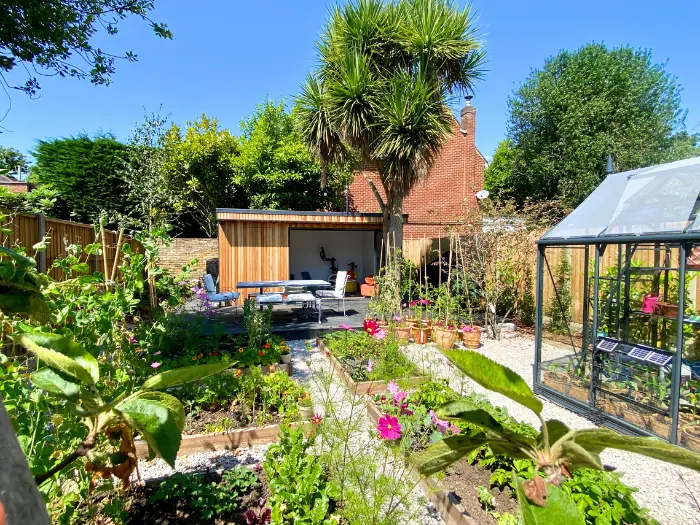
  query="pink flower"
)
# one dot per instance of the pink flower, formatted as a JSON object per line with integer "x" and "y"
{"x": 132, "y": 339}
{"x": 346, "y": 327}
{"x": 389, "y": 427}
{"x": 397, "y": 318}
{"x": 155, "y": 365}
{"x": 380, "y": 334}
{"x": 467, "y": 329}
{"x": 316, "y": 420}
{"x": 392, "y": 387}
{"x": 157, "y": 353}
{"x": 405, "y": 411}
{"x": 454, "y": 428}
{"x": 441, "y": 425}
{"x": 370, "y": 365}
{"x": 400, "y": 397}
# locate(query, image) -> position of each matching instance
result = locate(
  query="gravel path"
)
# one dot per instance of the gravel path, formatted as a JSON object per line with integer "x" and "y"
{"x": 330, "y": 393}
{"x": 671, "y": 493}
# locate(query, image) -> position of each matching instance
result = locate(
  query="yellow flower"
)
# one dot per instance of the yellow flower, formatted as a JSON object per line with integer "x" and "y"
{"x": 200, "y": 355}
{"x": 240, "y": 350}
{"x": 194, "y": 358}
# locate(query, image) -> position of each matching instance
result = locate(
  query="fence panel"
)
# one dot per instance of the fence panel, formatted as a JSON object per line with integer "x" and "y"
{"x": 26, "y": 232}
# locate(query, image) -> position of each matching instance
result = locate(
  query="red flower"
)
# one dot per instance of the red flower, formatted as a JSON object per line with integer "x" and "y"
{"x": 261, "y": 353}
{"x": 371, "y": 326}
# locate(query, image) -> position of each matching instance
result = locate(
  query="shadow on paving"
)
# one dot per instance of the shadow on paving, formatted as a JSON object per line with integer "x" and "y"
{"x": 290, "y": 321}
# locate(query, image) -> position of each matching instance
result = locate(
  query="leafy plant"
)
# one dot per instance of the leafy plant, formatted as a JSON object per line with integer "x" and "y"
{"x": 299, "y": 491}
{"x": 210, "y": 498}
{"x": 557, "y": 451}
{"x": 72, "y": 374}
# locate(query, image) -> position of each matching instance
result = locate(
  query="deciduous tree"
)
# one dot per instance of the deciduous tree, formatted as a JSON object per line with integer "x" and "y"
{"x": 581, "y": 106}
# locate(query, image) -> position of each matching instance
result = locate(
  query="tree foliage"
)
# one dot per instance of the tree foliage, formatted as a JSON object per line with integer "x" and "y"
{"x": 53, "y": 37}
{"x": 85, "y": 171}
{"x": 11, "y": 159}
{"x": 276, "y": 170}
{"x": 199, "y": 168}
{"x": 568, "y": 116}
{"x": 386, "y": 70}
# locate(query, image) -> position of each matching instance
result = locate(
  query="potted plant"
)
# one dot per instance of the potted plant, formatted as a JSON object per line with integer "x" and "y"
{"x": 306, "y": 407}
{"x": 420, "y": 331}
{"x": 401, "y": 328}
{"x": 444, "y": 334}
{"x": 285, "y": 355}
{"x": 471, "y": 335}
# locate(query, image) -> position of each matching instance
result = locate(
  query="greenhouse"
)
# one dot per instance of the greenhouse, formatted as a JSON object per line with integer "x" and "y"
{"x": 625, "y": 254}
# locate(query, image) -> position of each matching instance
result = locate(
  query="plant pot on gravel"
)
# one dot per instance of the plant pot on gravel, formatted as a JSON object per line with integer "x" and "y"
{"x": 306, "y": 407}
{"x": 444, "y": 337}
{"x": 285, "y": 359}
{"x": 420, "y": 333}
{"x": 402, "y": 333}
{"x": 471, "y": 336}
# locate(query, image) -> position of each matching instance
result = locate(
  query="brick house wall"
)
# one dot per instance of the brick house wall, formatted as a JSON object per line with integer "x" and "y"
{"x": 181, "y": 251}
{"x": 434, "y": 202}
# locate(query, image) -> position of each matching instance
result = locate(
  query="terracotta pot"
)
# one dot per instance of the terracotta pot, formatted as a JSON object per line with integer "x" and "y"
{"x": 420, "y": 335}
{"x": 403, "y": 333}
{"x": 444, "y": 337}
{"x": 690, "y": 437}
{"x": 472, "y": 339}
{"x": 667, "y": 309}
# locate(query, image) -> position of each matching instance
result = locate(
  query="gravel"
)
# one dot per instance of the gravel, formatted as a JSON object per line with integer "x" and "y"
{"x": 671, "y": 493}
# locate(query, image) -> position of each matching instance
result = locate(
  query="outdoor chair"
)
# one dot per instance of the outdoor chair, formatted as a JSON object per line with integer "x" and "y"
{"x": 215, "y": 296}
{"x": 338, "y": 292}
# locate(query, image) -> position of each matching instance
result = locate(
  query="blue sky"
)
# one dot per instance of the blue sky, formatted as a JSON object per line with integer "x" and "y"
{"x": 226, "y": 56}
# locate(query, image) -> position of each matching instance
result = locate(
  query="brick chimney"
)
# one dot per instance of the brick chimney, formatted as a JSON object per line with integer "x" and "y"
{"x": 468, "y": 114}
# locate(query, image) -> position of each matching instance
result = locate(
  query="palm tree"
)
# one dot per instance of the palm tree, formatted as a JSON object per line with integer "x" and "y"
{"x": 386, "y": 71}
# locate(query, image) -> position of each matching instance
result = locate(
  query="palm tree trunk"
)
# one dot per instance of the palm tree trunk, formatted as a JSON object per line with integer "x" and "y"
{"x": 394, "y": 220}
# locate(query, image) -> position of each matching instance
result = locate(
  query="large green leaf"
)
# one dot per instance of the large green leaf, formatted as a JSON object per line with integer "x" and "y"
{"x": 183, "y": 375}
{"x": 63, "y": 354}
{"x": 578, "y": 457}
{"x": 598, "y": 439}
{"x": 21, "y": 260}
{"x": 15, "y": 300}
{"x": 465, "y": 410}
{"x": 445, "y": 452}
{"x": 58, "y": 384}
{"x": 157, "y": 424}
{"x": 172, "y": 403}
{"x": 495, "y": 376}
{"x": 558, "y": 510}
{"x": 555, "y": 430}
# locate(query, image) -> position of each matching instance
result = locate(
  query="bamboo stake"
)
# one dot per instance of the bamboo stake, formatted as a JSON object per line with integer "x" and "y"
{"x": 116, "y": 254}
{"x": 104, "y": 249}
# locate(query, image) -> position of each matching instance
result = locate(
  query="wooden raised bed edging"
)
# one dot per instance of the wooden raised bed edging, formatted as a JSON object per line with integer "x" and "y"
{"x": 233, "y": 439}
{"x": 363, "y": 387}
{"x": 439, "y": 495}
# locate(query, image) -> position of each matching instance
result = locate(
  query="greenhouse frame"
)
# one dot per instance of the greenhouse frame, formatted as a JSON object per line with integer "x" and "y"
{"x": 634, "y": 244}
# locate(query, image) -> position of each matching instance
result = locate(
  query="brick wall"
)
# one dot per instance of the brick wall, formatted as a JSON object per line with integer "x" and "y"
{"x": 456, "y": 175}
{"x": 181, "y": 251}
{"x": 16, "y": 187}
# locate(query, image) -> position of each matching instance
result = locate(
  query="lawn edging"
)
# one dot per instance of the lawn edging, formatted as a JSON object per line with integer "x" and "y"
{"x": 439, "y": 495}
{"x": 363, "y": 387}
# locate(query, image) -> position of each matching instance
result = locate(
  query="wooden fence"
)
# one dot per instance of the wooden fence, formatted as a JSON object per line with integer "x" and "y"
{"x": 29, "y": 229}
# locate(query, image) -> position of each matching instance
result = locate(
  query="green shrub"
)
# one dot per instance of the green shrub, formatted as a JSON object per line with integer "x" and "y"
{"x": 209, "y": 498}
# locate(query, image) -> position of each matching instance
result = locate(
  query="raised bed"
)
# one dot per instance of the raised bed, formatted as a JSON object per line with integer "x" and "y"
{"x": 233, "y": 439}
{"x": 445, "y": 502}
{"x": 363, "y": 387}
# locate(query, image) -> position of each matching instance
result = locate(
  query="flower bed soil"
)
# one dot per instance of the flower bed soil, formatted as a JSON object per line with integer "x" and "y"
{"x": 142, "y": 512}
{"x": 462, "y": 479}
{"x": 363, "y": 387}
{"x": 237, "y": 417}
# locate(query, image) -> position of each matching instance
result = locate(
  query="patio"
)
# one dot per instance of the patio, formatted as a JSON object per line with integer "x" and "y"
{"x": 286, "y": 321}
